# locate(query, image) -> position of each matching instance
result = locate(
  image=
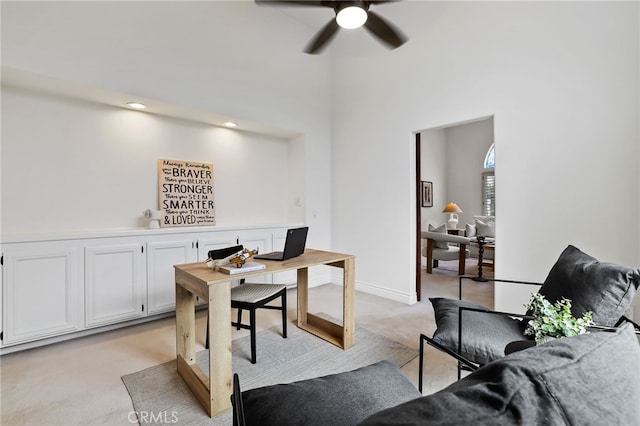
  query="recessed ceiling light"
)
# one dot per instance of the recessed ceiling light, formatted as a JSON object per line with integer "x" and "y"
{"x": 230, "y": 124}
{"x": 136, "y": 105}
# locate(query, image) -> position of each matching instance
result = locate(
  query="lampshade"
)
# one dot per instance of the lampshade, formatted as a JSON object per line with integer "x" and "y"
{"x": 452, "y": 208}
{"x": 351, "y": 17}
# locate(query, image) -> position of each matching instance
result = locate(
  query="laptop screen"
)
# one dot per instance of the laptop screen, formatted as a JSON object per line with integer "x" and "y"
{"x": 295, "y": 242}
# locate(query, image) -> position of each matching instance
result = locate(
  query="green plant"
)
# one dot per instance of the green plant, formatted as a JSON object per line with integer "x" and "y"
{"x": 554, "y": 320}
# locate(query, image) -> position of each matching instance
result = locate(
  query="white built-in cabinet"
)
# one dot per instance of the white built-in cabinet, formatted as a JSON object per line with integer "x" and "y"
{"x": 42, "y": 290}
{"x": 78, "y": 283}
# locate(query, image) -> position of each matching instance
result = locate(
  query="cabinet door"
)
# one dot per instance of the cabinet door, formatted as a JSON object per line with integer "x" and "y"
{"x": 161, "y": 284}
{"x": 114, "y": 279}
{"x": 214, "y": 241}
{"x": 42, "y": 285}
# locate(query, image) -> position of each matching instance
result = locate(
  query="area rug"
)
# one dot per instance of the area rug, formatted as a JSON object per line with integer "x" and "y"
{"x": 160, "y": 396}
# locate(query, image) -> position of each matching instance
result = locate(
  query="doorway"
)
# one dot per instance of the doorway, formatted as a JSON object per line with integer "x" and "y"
{"x": 450, "y": 161}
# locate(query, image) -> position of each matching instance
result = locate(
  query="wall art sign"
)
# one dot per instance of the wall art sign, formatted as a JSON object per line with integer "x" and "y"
{"x": 185, "y": 193}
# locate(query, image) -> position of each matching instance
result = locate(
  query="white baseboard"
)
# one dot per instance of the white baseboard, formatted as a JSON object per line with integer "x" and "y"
{"x": 364, "y": 287}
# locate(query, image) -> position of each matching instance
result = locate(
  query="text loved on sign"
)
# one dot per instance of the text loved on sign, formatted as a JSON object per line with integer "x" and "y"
{"x": 185, "y": 193}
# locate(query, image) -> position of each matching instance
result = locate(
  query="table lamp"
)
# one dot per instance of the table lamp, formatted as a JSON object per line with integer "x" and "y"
{"x": 452, "y": 209}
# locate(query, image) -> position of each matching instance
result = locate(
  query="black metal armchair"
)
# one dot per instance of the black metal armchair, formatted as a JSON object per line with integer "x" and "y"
{"x": 475, "y": 335}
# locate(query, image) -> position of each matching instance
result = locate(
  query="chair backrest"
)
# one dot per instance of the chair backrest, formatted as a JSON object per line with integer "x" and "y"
{"x": 606, "y": 289}
{"x": 236, "y": 402}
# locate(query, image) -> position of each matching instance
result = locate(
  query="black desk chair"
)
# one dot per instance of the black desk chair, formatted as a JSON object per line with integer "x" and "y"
{"x": 255, "y": 296}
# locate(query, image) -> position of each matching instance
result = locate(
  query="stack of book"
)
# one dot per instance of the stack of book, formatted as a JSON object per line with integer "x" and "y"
{"x": 231, "y": 269}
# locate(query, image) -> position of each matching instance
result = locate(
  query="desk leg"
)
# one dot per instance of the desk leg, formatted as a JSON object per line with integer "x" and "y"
{"x": 303, "y": 296}
{"x": 341, "y": 335}
{"x": 220, "y": 355}
{"x": 185, "y": 325}
{"x": 213, "y": 391}
{"x": 349, "y": 284}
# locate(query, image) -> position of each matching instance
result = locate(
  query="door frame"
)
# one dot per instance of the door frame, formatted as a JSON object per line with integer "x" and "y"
{"x": 418, "y": 221}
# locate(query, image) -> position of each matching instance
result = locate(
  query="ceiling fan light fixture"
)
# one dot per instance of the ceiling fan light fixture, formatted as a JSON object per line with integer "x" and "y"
{"x": 351, "y": 17}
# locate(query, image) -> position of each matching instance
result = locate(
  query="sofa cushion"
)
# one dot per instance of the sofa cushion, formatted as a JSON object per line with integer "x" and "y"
{"x": 470, "y": 230}
{"x": 606, "y": 289}
{"x": 591, "y": 379}
{"x": 486, "y": 229}
{"x": 338, "y": 399}
{"x": 484, "y": 335}
{"x": 442, "y": 229}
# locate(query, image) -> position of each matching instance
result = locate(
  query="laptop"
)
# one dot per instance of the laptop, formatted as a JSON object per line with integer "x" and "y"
{"x": 293, "y": 245}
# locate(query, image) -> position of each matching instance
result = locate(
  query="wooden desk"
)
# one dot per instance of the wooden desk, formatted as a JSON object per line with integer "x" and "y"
{"x": 196, "y": 279}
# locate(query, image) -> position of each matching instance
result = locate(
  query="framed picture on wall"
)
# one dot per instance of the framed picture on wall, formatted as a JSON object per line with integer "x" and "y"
{"x": 427, "y": 194}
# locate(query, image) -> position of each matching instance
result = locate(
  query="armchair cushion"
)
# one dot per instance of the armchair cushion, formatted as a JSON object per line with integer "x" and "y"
{"x": 442, "y": 229}
{"x": 338, "y": 399}
{"x": 606, "y": 289}
{"x": 484, "y": 334}
{"x": 591, "y": 379}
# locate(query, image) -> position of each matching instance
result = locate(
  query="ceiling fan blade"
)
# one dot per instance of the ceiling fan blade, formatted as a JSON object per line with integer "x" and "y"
{"x": 322, "y": 38}
{"x": 314, "y": 3}
{"x": 384, "y": 31}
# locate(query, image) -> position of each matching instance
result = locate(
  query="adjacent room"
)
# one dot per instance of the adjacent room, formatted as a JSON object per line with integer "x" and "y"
{"x": 441, "y": 157}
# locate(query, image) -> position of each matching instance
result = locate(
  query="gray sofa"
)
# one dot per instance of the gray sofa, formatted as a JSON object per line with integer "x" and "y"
{"x": 593, "y": 379}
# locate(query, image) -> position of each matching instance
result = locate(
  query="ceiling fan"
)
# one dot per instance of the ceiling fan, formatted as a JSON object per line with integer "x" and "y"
{"x": 349, "y": 14}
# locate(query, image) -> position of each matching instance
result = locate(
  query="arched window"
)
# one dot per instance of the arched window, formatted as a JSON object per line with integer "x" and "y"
{"x": 490, "y": 158}
{"x": 489, "y": 184}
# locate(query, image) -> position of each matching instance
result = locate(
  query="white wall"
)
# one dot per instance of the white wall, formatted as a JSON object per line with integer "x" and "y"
{"x": 70, "y": 166}
{"x": 214, "y": 57}
{"x": 560, "y": 80}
